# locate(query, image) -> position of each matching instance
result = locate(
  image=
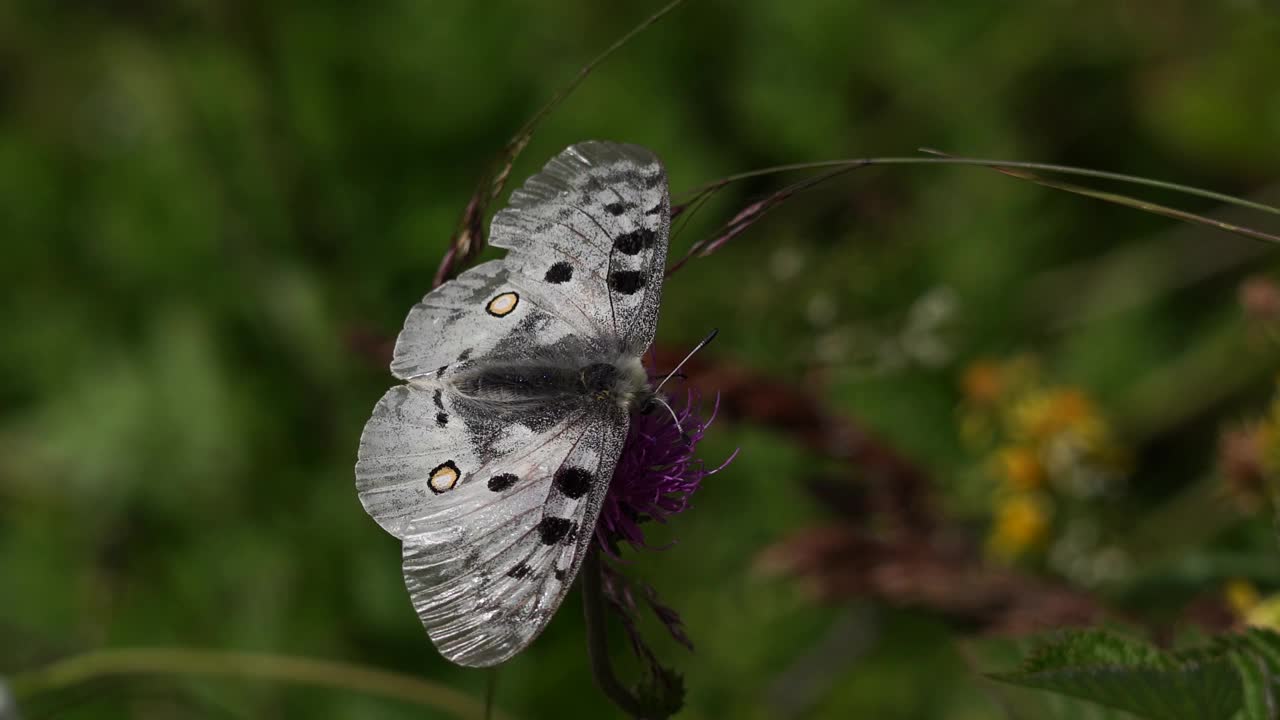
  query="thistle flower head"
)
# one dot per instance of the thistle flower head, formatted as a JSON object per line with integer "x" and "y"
{"x": 657, "y": 472}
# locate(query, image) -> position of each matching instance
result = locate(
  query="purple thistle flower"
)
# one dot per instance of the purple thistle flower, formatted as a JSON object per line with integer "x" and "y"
{"x": 656, "y": 474}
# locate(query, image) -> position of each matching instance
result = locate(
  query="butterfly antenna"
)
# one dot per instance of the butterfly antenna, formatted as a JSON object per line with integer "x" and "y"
{"x": 658, "y": 399}
{"x": 710, "y": 336}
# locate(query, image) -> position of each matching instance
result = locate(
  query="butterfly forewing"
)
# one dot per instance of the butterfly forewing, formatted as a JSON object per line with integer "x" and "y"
{"x": 464, "y": 320}
{"x": 593, "y": 226}
{"x": 492, "y": 463}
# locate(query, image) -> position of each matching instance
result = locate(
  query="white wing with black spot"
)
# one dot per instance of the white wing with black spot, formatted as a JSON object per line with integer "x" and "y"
{"x": 487, "y": 568}
{"x": 492, "y": 537}
{"x": 494, "y": 497}
{"x": 464, "y": 320}
{"x": 593, "y": 227}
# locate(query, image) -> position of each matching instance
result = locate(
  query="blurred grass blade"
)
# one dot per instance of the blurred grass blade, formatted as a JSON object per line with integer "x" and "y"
{"x": 1018, "y": 169}
{"x": 74, "y": 671}
{"x": 1104, "y": 175}
{"x": 469, "y": 238}
{"x": 1143, "y": 205}
{"x": 747, "y": 217}
{"x": 942, "y": 158}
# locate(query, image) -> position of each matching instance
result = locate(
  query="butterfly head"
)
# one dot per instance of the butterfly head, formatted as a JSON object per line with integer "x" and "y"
{"x": 623, "y": 381}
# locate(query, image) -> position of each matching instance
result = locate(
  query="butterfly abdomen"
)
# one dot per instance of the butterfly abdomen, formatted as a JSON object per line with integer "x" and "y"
{"x": 621, "y": 381}
{"x": 517, "y": 382}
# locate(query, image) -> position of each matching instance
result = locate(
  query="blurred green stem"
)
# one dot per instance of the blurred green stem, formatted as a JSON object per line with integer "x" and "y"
{"x": 526, "y": 131}
{"x": 598, "y": 640}
{"x": 76, "y": 670}
{"x": 490, "y": 692}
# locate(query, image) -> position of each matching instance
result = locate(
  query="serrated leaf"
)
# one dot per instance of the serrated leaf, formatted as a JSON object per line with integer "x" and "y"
{"x": 1259, "y": 702}
{"x": 1129, "y": 675}
{"x": 1255, "y": 654}
{"x": 1263, "y": 641}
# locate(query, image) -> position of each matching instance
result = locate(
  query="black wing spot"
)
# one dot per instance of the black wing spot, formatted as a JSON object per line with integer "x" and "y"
{"x": 438, "y": 399}
{"x": 462, "y": 357}
{"x": 574, "y": 482}
{"x": 520, "y": 572}
{"x": 616, "y": 208}
{"x": 656, "y": 209}
{"x": 498, "y": 483}
{"x": 442, "y": 419}
{"x": 561, "y": 272}
{"x": 631, "y": 243}
{"x": 560, "y": 574}
{"x": 627, "y": 282}
{"x": 553, "y": 529}
{"x": 441, "y": 369}
{"x": 652, "y": 181}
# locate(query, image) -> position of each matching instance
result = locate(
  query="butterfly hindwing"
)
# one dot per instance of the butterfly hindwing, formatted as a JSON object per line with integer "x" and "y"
{"x": 490, "y": 546}
{"x": 487, "y": 568}
{"x": 591, "y": 230}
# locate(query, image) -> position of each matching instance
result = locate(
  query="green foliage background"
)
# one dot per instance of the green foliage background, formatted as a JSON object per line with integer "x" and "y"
{"x": 213, "y": 212}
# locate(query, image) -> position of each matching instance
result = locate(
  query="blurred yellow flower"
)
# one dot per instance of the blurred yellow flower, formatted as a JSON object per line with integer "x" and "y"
{"x": 1049, "y": 412}
{"x": 1241, "y": 596}
{"x": 1266, "y": 614}
{"x": 1021, "y": 525}
{"x": 1020, "y": 468}
{"x": 1250, "y": 607}
{"x": 982, "y": 382}
{"x": 1042, "y": 444}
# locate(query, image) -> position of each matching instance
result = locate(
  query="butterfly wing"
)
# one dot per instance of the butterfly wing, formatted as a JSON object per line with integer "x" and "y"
{"x": 487, "y": 569}
{"x": 492, "y": 539}
{"x": 496, "y": 503}
{"x": 592, "y": 229}
{"x": 478, "y": 317}
{"x": 471, "y": 316}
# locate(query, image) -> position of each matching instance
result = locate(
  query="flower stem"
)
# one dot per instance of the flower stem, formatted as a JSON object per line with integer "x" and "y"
{"x": 78, "y": 669}
{"x": 597, "y": 637}
{"x": 490, "y": 692}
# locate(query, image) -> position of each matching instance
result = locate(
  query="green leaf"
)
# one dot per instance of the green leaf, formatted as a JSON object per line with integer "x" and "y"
{"x": 1255, "y": 654}
{"x": 1128, "y": 675}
